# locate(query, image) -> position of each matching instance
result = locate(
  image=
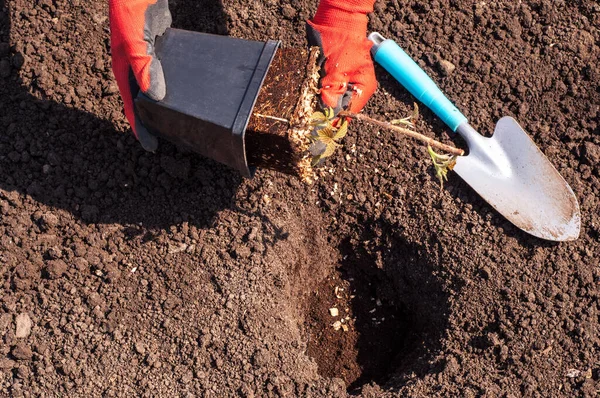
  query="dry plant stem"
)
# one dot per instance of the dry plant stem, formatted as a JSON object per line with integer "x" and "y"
{"x": 279, "y": 119}
{"x": 435, "y": 144}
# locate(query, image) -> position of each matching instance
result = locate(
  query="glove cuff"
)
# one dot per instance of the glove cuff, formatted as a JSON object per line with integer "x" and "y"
{"x": 350, "y": 15}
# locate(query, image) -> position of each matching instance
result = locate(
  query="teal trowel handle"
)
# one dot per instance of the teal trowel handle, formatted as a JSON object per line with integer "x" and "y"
{"x": 389, "y": 55}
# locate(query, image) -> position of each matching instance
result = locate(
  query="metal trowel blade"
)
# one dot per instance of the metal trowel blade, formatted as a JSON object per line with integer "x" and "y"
{"x": 511, "y": 173}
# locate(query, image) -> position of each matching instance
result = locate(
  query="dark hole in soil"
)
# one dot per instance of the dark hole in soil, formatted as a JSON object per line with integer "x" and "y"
{"x": 387, "y": 322}
{"x": 370, "y": 333}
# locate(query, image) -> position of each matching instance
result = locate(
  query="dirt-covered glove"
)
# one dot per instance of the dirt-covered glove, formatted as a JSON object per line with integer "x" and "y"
{"x": 134, "y": 26}
{"x": 348, "y": 77}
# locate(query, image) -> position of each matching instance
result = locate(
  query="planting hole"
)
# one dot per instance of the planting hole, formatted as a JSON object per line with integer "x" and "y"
{"x": 364, "y": 324}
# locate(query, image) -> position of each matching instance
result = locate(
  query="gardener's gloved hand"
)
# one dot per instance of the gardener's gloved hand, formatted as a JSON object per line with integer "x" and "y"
{"x": 348, "y": 77}
{"x": 134, "y": 25}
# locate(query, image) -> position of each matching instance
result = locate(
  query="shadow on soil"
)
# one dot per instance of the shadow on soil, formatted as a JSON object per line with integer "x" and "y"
{"x": 394, "y": 307}
{"x": 77, "y": 161}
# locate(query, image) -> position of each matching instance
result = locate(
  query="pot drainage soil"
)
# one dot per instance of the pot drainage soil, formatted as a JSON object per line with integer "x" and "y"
{"x": 277, "y": 136}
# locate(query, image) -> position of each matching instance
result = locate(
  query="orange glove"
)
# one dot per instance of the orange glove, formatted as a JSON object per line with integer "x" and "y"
{"x": 134, "y": 25}
{"x": 348, "y": 77}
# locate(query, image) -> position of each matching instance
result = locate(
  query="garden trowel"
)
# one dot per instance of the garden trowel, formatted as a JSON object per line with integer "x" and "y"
{"x": 508, "y": 170}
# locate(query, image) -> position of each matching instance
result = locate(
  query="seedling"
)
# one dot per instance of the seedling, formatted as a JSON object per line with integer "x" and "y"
{"x": 409, "y": 121}
{"x": 329, "y": 129}
{"x": 442, "y": 164}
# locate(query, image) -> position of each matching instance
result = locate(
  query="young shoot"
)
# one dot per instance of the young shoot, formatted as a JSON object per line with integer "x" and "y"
{"x": 442, "y": 164}
{"x": 328, "y": 131}
{"x": 409, "y": 121}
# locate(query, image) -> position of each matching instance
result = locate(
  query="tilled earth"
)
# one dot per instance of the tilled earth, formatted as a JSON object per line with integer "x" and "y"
{"x": 127, "y": 273}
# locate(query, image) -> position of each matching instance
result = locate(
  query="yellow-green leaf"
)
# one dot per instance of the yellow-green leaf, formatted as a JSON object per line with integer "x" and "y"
{"x": 330, "y": 149}
{"x": 441, "y": 163}
{"x": 329, "y": 113}
{"x": 326, "y": 134}
{"x": 341, "y": 133}
{"x": 318, "y": 118}
{"x": 415, "y": 115}
{"x": 406, "y": 121}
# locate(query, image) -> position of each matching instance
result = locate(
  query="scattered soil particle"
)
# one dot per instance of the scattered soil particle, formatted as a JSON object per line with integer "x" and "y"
{"x": 6, "y": 364}
{"x": 23, "y": 326}
{"x": 55, "y": 269}
{"x": 22, "y": 351}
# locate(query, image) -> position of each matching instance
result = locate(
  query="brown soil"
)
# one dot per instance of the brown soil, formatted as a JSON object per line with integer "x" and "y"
{"x": 282, "y": 110}
{"x": 168, "y": 275}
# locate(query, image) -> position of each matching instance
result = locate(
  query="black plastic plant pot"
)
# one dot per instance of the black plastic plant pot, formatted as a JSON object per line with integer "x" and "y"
{"x": 212, "y": 85}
